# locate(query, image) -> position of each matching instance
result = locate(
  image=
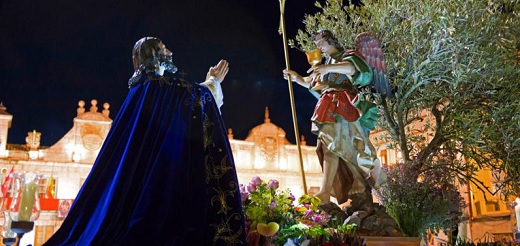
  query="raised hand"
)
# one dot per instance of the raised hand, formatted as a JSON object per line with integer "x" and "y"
{"x": 219, "y": 71}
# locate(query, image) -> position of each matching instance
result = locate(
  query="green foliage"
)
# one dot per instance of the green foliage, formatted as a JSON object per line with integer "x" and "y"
{"x": 454, "y": 70}
{"x": 419, "y": 200}
{"x": 299, "y": 233}
{"x": 452, "y": 65}
{"x": 264, "y": 203}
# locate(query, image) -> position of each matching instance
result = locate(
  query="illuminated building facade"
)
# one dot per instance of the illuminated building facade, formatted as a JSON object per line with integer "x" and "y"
{"x": 265, "y": 153}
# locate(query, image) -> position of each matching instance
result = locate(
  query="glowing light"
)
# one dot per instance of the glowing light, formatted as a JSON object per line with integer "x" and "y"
{"x": 259, "y": 162}
{"x": 283, "y": 163}
{"x": 76, "y": 157}
{"x": 33, "y": 154}
{"x": 4, "y": 152}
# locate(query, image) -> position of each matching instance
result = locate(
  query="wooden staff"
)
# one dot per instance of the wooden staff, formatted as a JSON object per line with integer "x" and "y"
{"x": 291, "y": 93}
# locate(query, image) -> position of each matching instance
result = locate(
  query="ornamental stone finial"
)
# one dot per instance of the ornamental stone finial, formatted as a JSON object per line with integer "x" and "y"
{"x": 106, "y": 110}
{"x": 266, "y": 115}
{"x": 94, "y": 107}
{"x": 81, "y": 108}
{"x": 230, "y": 133}
{"x": 3, "y": 109}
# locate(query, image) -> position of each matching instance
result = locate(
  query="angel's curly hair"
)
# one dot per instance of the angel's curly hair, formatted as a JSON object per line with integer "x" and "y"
{"x": 327, "y": 36}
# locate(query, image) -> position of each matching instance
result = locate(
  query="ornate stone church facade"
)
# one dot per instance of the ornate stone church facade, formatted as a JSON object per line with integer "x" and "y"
{"x": 265, "y": 152}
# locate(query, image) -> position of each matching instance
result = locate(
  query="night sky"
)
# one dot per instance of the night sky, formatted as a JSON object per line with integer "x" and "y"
{"x": 57, "y": 52}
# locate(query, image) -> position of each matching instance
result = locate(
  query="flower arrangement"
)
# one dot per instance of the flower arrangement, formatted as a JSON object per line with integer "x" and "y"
{"x": 420, "y": 199}
{"x": 273, "y": 219}
{"x": 266, "y": 208}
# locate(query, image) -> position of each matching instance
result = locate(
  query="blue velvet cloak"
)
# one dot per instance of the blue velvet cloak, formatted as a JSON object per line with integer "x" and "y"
{"x": 164, "y": 176}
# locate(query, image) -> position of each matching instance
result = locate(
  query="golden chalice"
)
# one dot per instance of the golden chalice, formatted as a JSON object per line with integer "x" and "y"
{"x": 314, "y": 58}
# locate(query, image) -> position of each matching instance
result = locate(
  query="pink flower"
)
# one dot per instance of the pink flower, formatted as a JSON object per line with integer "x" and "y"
{"x": 256, "y": 180}
{"x": 291, "y": 197}
{"x": 308, "y": 214}
{"x": 244, "y": 196}
{"x": 318, "y": 220}
{"x": 243, "y": 193}
{"x": 251, "y": 187}
{"x": 321, "y": 219}
{"x": 273, "y": 184}
{"x": 325, "y": 216}
{"x": 273, "y": 205}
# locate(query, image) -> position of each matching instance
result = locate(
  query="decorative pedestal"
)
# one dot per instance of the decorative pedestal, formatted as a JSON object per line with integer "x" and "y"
{"x": 393, "y": 241}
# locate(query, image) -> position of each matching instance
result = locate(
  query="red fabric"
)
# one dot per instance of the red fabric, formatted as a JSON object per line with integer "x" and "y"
{"x": 7, "y": 182}
{"x": 45, "y": 204}
{"x": 49, "y": 204}
{"x": 335, "y": 103}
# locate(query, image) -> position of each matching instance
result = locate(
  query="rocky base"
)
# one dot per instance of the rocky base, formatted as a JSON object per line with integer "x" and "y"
{"x": 372, "y": 220}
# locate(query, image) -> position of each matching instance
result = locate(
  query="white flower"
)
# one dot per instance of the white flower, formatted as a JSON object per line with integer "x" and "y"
{"x": 289, "y": 243}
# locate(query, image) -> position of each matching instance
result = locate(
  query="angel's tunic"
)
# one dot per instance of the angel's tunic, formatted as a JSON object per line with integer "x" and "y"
{"x": 335, "y": 121}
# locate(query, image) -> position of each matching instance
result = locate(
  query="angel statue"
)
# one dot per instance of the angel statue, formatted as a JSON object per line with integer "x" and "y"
{"x": 342, "y": 118}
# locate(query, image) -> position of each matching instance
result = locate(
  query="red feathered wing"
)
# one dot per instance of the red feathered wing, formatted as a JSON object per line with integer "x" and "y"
{"x": 370, "y": 47}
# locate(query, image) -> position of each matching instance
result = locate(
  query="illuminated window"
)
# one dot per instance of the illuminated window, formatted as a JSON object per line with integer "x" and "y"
{"x": 42, "y": 234}
{"x": 383, "y": 157}
{"x": 43, "y": 188}
{"x": 485, "y": 202}
{"x": 492, "y": 206}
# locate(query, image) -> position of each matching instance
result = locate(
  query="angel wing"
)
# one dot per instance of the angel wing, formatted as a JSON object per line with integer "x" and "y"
{"x": 371, "y": 49}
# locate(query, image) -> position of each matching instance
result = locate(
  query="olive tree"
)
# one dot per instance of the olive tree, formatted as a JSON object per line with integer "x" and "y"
{"x": 454, "y": 67}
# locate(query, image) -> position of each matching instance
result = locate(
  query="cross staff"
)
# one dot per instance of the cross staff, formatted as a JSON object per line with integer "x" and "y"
{"x": 291, "y": 93}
